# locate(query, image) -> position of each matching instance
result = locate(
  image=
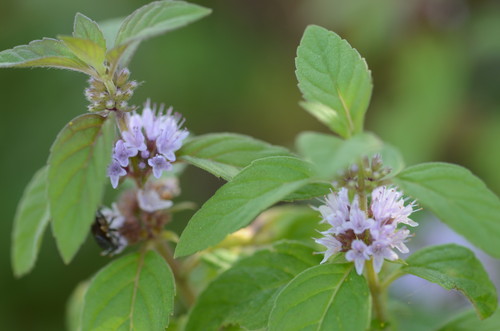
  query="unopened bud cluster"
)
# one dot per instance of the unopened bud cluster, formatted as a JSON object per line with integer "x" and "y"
{"x": 373, "y": 173}
{"x": 101, "y": 98}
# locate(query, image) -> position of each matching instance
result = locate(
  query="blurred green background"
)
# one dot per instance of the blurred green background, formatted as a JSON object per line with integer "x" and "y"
{"x": 436, "y": 69}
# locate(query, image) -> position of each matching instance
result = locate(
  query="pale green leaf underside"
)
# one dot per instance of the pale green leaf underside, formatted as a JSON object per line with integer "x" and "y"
{"x": 257, "y": 187}
{"x": 334, "y": 80}
{"x": 134, "y": 292}
{"x": 225, "y": 154}
{"x": 245, "y": 293}
{"x": 77, "y": 172}
{"x": 330, "y": 154}
{"x": 85, "y": 28}
{"x": 120, "y": 56}
{"x": 325, "y": 297}
{"x": 42, "y": 53}
{"x": 31, "y": 219}
{"x": 459, "y": 199}
{"x": 468, "y": 321}
{"x": 455, "y": 267}
{"x": 87, "y": 51}
{"x": 157, "y": 18}
{"x": 110, "y": 29}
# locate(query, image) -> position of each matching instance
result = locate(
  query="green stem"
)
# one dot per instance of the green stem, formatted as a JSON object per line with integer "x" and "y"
{"x": 377, "y": 291}
{"x": 186, "y": 293}
{"x": 378, "y": 295}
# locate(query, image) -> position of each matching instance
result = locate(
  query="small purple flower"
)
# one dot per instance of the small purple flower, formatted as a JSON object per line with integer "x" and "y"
{"x": 170, "y": 135}
{"x": 115, "y": 171}
{"x": 333, "y": 246}
{"x": 358, "y": 254}
{"x": 388, "y": 205}
{"x": 335, "y": 211}
{"x": 135, "y": 121}
{"x": 380, "y": 234}
{"x": 358, "y": 221}
{"x": 159, "y": 164}
{"x": 381, "y": 250}
{"x": 398, "y": 238}
{"x": 151, "y": 122}
{"x": 134, "y": 139}
{"x": 122, "y": 154}
{"x": 150, "y": 201}
{"x": 152, "y": 136}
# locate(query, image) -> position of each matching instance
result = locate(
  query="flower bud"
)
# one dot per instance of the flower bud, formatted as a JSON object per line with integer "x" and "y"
{"x": 110, "y": 104}
{"x": 122, "y": 77}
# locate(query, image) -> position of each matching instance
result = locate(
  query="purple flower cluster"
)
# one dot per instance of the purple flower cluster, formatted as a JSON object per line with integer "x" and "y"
{"x": 366, "y": 235}
{"x": 151, "y": 139}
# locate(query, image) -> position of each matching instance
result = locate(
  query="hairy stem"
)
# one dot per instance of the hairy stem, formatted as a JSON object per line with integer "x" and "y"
{"x": 186, "y": 293}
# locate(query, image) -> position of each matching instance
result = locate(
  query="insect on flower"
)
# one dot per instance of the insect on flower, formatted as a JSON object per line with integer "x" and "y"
{"x": 105, "y": 230}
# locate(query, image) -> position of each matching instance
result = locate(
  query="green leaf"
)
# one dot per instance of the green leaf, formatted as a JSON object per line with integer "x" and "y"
{"x": 288, "y": 222}
{"x": 334, "y": 80}
{"x": 455, "y": 267}
{"x": 110, "y": 29}
{"x": 157, "y": 18}
{"x": 468, "y": 321}
{"x": 77, "y": 163}
{"x": 87, "y": 51}
{"x": 237, "y": 203}
{"x": 309, "y": 191}
{"x": 324, "y": 297}
{"x": 225, "y": 154}
{"x": 149, "y": 21}
{"x": 245, "y": 293}
{"x": 85, "y": 28}
{"x": 134, "y": 292}
{"x": 459, "y": 199}
{"x": 391, "y": 156}
{"x": 43, "y": 53}
{"x": 74, "y": 307}
{"x": 32, "y": 217}
{"x": 330, "y": 154}
{"x": 120, "y": 56}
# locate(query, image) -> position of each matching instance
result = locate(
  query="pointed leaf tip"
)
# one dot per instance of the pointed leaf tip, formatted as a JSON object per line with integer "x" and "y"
{"x": 334, "y": 79}
{"x": 47, "y": 52}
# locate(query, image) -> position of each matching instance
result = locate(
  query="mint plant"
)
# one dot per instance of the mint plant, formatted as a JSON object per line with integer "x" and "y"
{"x": 241, "y": 263}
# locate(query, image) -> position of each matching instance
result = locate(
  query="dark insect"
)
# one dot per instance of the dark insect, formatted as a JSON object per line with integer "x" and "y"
{"x": 106, "y": 237}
